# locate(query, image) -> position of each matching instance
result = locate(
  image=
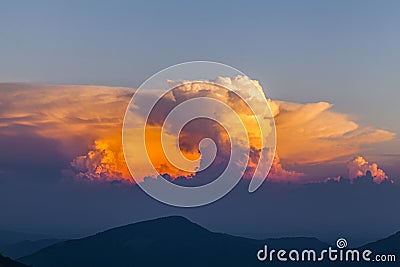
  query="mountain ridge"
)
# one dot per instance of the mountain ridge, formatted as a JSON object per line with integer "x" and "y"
{"x": 175, "y": 241}
{"x": 167, "y": 240}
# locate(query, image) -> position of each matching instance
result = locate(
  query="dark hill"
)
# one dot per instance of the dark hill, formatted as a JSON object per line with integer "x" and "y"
{"x": 390, "y": 244}
{"x": 7, "y": 262}
{"x": 170, "y": 241}
{"x": 386, "y": 246}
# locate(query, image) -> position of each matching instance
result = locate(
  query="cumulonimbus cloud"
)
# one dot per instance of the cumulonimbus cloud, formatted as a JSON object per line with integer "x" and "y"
{"x": 87, "y": 122}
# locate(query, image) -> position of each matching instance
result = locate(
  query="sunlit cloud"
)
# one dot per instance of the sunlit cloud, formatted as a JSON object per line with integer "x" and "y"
{"x": 86, "y": 122}
{"x": 237, "y": 116}
{"x": 313, "y": 133}
{"x": 359, "y": 167}
{"x": 104, "y": 161}
{"x": 76, "y": 116}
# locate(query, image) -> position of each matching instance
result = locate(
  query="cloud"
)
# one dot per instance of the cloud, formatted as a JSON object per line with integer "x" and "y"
{"x": 234, "y": 126}
{"x": 278, "y": 173}
{"x": 63, "y": 111}
{"x": 51, "y": 108}
{"x": 105, "y": 161}
{"x": 45, "y": 123}
{"x": 313, "y": 133}
{"x": 85, "y": 125}
{"x": 306, "y": 133}
{"x": 359, "y": 167}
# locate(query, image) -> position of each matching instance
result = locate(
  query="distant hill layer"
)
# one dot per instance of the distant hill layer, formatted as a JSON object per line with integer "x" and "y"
{"x": 27, "y": 247}
{"x": 10, "y": 237}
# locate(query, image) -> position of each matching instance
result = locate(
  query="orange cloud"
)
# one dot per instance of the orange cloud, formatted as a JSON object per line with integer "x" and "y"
{"x": 104, "y": 161}
{"x": 313, "y": 133}
{"x": 87, "y": 120}
{"x": 74, "y": 115}
{"x": 198, "y": 129}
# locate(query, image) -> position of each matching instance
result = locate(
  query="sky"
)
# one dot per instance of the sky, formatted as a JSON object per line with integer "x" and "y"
{"x": 69, "y": 68}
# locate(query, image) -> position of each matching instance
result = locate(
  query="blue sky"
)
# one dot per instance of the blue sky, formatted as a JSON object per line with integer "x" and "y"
{"x": 343, "y": 52}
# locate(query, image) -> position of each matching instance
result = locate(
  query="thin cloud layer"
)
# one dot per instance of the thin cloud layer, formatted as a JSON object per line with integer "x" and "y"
{"x": 75, "y": 116}
{"x": 313, "y": 133}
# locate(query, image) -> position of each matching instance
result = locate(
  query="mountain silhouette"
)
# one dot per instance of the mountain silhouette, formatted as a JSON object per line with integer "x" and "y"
{"x": 387, "y": 246}
{"x": 7, "y": 262}
{"x": 169, "y": 241}
{"x": 176, "y": 241}
{"x": 27, "y": 247}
